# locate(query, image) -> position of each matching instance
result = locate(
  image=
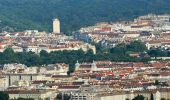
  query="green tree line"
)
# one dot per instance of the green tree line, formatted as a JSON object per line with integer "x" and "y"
{"x": 118, "y": 53}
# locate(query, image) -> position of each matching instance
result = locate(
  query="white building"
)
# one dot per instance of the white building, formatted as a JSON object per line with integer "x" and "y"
{"x": 35, "y": 94}
{"x": 56, "y": 26}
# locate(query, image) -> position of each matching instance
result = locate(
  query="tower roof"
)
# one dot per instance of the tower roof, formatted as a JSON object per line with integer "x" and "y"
{"x": 56, "y": 19}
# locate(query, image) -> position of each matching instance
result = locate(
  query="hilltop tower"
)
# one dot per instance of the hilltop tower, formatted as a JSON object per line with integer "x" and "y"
{"x": 56, "y": 26}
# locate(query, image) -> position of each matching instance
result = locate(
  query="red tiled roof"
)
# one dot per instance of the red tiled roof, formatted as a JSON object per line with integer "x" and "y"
{"x": 60, "y": 76}
{"x": 39, "y": 81}
{"x": 165, "y": 73}
{"x": 85, "y": 66}
{"x": 68, "y": 87}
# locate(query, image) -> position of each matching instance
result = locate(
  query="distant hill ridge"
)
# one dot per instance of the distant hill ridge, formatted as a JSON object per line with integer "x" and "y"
{"x": 73, "y": 14}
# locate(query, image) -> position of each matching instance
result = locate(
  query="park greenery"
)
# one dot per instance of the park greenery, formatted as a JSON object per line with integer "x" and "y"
{"x": 139, "y": 97}
{"x": 118, "y": 53}
{"x": 4, "y": 96}
{"x": 61, "y": 96}
{"x": 159, "y": 52}
{"x": 124, "y": 49}
{"x": 23, "y": 99}
{"x": 38, "y": 14}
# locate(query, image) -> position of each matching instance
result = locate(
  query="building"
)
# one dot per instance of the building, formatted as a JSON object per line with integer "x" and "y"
{"x": 82, "y": 96}
{"x": 90, "y": 92}
{"x": 13, "y": 79}
{"x": 35, "y": 94}
{"x": 56, "y": 26}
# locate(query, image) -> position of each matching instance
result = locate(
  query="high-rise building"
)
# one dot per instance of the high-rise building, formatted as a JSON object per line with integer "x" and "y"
{"x": 56, "y": 26}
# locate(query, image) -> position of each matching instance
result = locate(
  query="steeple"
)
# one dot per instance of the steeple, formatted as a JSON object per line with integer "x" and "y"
{"x": 94, "y": 67}
{"x": 77, "y": 65}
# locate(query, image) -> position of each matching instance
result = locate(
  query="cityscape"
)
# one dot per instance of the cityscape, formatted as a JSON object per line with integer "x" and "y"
{"x": 84, "y": 49}
{"x": 144, "y": 74}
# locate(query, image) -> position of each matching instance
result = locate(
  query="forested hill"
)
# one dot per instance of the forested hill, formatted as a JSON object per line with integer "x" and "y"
{"x": 37, "y": 14}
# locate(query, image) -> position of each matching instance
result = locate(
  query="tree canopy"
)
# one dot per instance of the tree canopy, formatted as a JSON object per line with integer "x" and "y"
{"x": 4, "y": 96}
{"x": 23, "y": 99}
{"x": 119, "y": 53}
{"x": 73, "y": 14}
{"x": 61, "y": 96}
{"x": 134, "y": 46}
{"x": 139, "y": 97}
{"x": 152, "y": 97}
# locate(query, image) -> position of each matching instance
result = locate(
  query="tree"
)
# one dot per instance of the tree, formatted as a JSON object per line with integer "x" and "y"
{"x": 119, "y": 53}
{"x": 156, "y": 82}
{"x": 47, "y": 98}
{"x": 137, "y": 46}
{"x": 44, "y": 56}
{"x": 158, "y": 52}
{"x": 25, "y": 99}
{"x": 119, "y": 50}
{"x": 124, "y": 49}
{"x": 139, "y": 97}
{"x": 4, "y": 96}
{"x": 9, "y": 55}
{"x": 74, "y": 16}
{"x": 43, "y": 53}
{"x": 163, "y": 99}
{"x": 61, "y": 96}
{"x": 89, "y": 55}
{"x": 152, "y": 97}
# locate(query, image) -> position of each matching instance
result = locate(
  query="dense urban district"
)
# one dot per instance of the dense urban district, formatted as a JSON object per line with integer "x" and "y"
{"x": 125, "y": 60}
